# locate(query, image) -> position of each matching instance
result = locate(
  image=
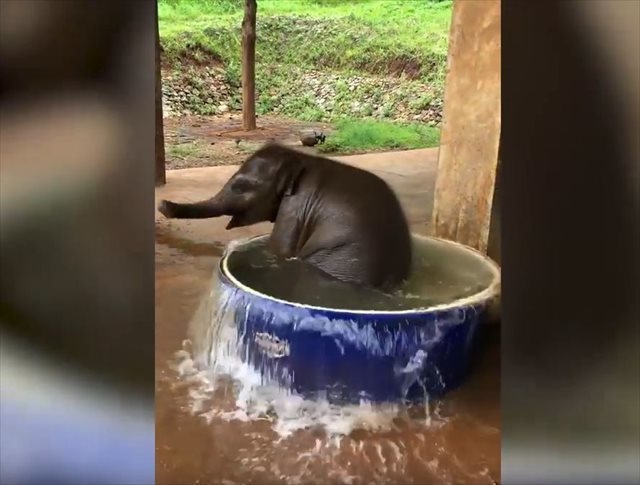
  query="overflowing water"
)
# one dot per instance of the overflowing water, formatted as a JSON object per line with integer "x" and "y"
{"x": 273, "y": 435}
{"x": 213, "y": 356}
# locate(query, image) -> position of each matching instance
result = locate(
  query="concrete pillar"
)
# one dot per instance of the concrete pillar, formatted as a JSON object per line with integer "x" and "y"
{"x": 470, "y": 134}
{"x": 160, "y": 167}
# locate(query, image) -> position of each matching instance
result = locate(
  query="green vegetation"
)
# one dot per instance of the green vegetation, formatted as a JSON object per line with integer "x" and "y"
{"x": 378, "y": 61}
{"x": 370, "y": 135}
{"x": 182, "y": 150}
{"x": 377, "y": 36}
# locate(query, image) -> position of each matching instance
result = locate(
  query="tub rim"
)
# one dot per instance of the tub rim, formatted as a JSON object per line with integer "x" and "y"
{"x": 480, "y": 298}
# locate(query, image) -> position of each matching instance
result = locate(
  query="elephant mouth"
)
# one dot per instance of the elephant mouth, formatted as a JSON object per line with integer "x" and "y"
{"x": 241, "y": 220}
{"x": 236, "y": 221}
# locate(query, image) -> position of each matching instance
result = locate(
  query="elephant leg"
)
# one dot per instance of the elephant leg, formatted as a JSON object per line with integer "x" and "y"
{"x": 344, "y": 262}
{"x": 285, "y": 236}
{"x": 321, "y": 240}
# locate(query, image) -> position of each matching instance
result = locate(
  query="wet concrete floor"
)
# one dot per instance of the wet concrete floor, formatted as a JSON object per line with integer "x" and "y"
{"x": 460, "y": 445}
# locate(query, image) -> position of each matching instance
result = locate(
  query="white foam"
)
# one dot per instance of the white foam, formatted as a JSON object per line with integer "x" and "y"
{"x": 257, "y": 400}
{"x": 223, "y": 386}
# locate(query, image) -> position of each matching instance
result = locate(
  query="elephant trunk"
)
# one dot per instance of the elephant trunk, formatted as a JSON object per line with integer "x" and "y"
{"x": 197, "y": 210}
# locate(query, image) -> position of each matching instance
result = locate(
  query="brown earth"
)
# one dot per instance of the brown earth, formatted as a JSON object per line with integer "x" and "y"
{"x": 207, "y": 141}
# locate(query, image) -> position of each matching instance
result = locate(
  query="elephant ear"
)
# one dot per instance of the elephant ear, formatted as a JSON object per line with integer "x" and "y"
{"x": 292, "y": 178}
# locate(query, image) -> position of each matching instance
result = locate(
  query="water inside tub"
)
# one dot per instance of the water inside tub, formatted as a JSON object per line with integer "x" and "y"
{"x": 442, "y": 273}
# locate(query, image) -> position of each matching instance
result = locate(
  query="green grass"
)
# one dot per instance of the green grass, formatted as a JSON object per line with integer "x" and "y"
{"x": 329, "y": 41}
{"x": 369, "y": 135}
{"x": 366, "y": 35}
{"x": 182, "y": 150}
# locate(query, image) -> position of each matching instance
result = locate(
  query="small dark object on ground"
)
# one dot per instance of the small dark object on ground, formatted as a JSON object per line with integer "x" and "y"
{"x": 312, "y": 139}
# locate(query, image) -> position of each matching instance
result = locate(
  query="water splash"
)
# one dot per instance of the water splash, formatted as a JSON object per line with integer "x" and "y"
{"x": 214, "y": 360}
{"x": 303, "y": 440}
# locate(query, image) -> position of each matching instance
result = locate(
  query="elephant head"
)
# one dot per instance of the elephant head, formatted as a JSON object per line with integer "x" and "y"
{"x": 252, "y": 195}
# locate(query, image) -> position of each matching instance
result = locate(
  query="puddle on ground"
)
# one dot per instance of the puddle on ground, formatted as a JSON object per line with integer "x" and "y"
{"x": 229, "y": 432}
{"x": 172, "y": 240}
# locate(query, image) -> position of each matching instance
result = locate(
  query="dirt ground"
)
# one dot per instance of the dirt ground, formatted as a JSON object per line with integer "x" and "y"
{"x": 209, "y": 141}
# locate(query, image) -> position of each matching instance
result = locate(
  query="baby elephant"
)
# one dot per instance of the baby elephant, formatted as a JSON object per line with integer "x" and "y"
{"x": 343, "y": 220}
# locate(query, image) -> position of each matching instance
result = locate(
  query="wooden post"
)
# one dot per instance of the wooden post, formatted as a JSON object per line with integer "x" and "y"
{"x": 468, "y": 156}
{"x": 249, "y": 65}
{"x": 161, "y": 176}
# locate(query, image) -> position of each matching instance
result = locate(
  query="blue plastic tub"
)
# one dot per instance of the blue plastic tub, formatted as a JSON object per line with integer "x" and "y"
{"x": 352, "y": 355}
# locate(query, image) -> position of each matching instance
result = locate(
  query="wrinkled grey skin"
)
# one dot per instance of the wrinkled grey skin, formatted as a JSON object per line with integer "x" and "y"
{"x": 343, "y": 220}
